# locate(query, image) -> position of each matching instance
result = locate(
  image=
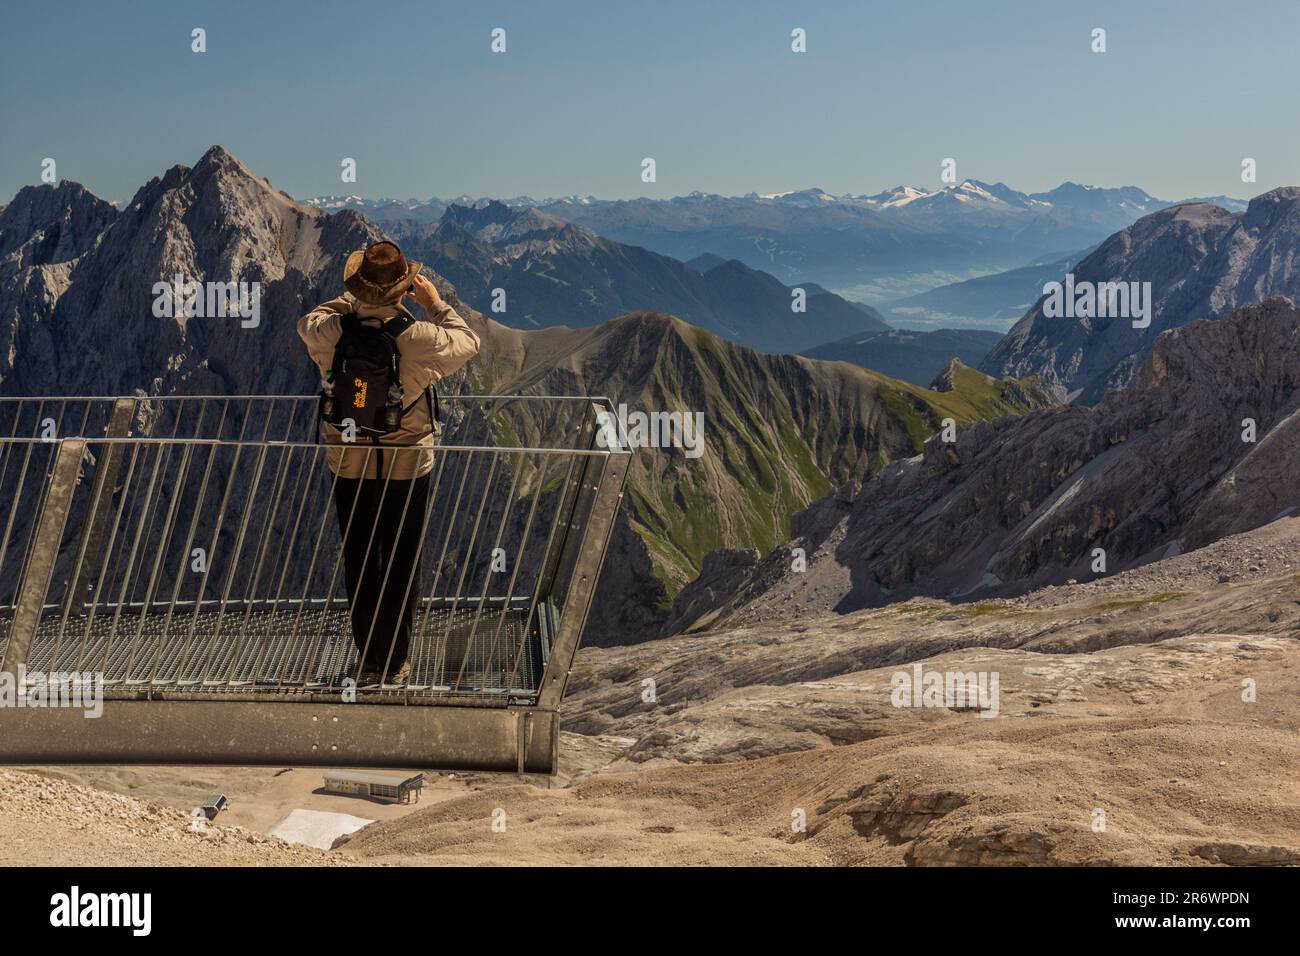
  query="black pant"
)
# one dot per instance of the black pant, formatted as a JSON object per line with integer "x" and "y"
{"x": 380, "y": 522}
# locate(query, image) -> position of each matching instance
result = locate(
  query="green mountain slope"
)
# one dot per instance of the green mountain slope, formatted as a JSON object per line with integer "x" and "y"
{"x": 780, "y": 431}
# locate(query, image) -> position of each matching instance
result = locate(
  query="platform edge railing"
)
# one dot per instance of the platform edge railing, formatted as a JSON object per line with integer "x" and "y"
{"x": 522, "y": 737}
{"x": 607, "y": 490}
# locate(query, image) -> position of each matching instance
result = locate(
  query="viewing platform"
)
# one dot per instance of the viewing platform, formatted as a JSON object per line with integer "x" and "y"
{"x": 182, "y": 554}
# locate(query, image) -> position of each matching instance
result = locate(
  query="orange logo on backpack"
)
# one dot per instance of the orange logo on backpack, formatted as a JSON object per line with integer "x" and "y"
{"x": 359, "y": 400}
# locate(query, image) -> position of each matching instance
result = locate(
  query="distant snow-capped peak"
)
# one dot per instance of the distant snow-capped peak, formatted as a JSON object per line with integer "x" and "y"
{"x": 813, "y": 194}
{"x": 898, "y": 196}
{"x": 335, "y": 202}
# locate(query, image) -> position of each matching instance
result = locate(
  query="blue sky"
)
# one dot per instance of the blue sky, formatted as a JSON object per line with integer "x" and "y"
{"x": 711, "y": 90}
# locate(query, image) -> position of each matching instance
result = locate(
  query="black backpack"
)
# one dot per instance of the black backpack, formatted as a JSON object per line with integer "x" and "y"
{"x": 364, "y": 384}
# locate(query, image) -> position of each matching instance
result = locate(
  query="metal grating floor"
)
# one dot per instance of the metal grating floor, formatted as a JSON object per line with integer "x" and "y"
{"x": 264, "y": 652}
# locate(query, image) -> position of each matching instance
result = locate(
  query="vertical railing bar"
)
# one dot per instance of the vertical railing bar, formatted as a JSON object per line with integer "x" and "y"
{"x": 184, "y": 662}
{"x": 178, "y": 654}
{"x": 440, "y": 660}
{"x": 152, "y": 585}
{"x": 148, "y": 531}
{"x": 302, "y": 492}
{"x": 282, "y": 562}
{"x": 227, "y": 419}
{"x": 233, "y": 565}
{"x": 538, "y": 585}
{"x": 186, "y": 559}
{"x": 212, "y": 650}
{"x": 289, "y": 646}
{"x": 140, "y": 502}
{"x": 326, "y": 506}
{"x": 13, "y": 514}
{"x": 266, "y": 428}
{"x": 338, "y": 557}
{"x": 288, "y": 428}
{"x": 122, "y": 599}
{"x": 260, "y": 561}
{"x": 442, "y": 646}
{"x": 99, "y": 592}
{"x": 420, "y": 630}
{"x": 275, "y": 645}
{"x": 11, "y": 446}
{"x": 447, "y": 518}
{"x": 465, "y": 559}
{"x": 553, "y": 562}
{"x": 285, "y": 548}
{"x": 508, "y": 600}
{"x": 487, "y": 576}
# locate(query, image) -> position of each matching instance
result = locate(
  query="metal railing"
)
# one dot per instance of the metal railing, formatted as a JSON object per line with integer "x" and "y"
{"x": 191, "y": 549}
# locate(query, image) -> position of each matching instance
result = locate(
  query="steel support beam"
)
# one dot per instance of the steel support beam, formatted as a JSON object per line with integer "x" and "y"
{"x": 101, "y": 500}
{"x": 45, "y": 552}
{"x": 283, "y": 733}
{"x": 608, "y": 492}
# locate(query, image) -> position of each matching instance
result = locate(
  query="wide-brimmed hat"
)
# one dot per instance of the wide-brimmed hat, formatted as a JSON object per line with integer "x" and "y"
{"x": 379, "y": 274}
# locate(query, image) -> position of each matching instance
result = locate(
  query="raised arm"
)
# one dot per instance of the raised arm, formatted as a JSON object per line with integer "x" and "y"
{"x": 444, "y": 343}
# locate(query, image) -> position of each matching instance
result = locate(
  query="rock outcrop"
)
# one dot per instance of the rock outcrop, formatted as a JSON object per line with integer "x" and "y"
{"x": 1201, "y": 262}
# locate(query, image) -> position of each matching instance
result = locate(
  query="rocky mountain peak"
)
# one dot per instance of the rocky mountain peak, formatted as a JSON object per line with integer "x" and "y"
{"x": 946, "y": 380}
{"x": 477, "y": 217}
{"x": 1266, "y": 208}
{"x": 218, "y": 156}
{"x": 1186, "y": 262}
{"x": 55, "y": 223}
{"x": 214, "y": 222}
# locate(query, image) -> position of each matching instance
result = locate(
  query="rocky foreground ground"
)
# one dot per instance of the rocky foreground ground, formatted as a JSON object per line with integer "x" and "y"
{"x": 51, "y": 822}
{"x": 1152, "y": 717}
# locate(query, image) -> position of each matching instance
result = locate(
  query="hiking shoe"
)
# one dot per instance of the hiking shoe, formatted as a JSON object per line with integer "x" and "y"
{"x": 400, "y": 676}
{"x": 369, "y": 678}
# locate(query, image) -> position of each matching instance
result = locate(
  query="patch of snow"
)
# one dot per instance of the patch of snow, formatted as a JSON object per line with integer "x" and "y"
{"x": 318, "y": 828}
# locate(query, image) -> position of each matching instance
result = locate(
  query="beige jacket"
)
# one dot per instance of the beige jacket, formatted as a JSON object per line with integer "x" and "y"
{"x": 430, "y": 351}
